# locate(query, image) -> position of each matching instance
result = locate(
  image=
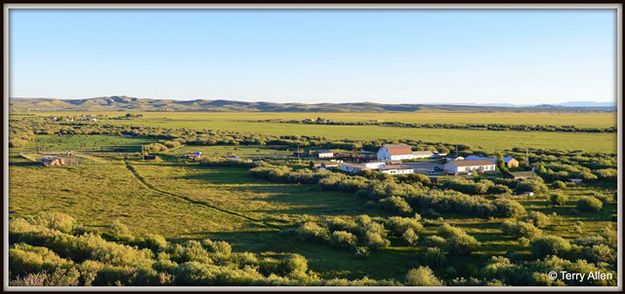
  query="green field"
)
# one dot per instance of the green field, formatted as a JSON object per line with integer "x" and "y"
{"x": 487, "y": 140}
{"x": 228, "y": 204}
{"x": 183, "y": 200}
{"x": 582, "y": 119}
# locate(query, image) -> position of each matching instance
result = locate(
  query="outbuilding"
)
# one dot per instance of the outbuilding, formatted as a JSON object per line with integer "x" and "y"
{"x": 468, "y": 166}
{"x": 509, "y": 161}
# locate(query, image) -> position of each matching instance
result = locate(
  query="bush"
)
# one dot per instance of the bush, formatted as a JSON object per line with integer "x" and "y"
{"x": 521, "y": 229}
{"x": 57, "y": 221}
{"x": 434, "y": 256}
{"x": 499, "y": 189}
{"x": 589, "y": 204}
{"x": 435, "y": 241}
{"x": 398, "y": 225}
{"x": 313, "y": 231}
{"x": 458, "y": 242}
{"x": 558, "y": 184}
{"x": 557, "y": 198}
{"x": 601, "y": 197}
{"x": 362, "y": 251}
{"x": 538, "y": 218}
{"x": 411, "y": 237}
{"x": 343, "y": 239}
{"x": 549, "y": 245}
{"x": 535, "y": 185}
{"x": 396, "y": 204}
{"x": 422, "y": 276}
{"x": 507, "y": 207}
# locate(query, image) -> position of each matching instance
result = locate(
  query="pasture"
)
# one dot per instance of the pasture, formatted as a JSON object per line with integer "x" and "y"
{"x": 487, "y": 140}
{"x": 186, "y": 201}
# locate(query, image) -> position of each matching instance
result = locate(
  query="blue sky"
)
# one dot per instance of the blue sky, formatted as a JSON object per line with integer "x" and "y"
{"x": 388, "y": 56}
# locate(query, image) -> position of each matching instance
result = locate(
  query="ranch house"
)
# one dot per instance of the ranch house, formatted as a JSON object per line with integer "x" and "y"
{"x": 468, "y": 166}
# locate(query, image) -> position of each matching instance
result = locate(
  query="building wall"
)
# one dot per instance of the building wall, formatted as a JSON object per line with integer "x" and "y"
{"x": 383, "y": 154}
{"x": 398, "y": 171}
{"x": 452, "y": 168}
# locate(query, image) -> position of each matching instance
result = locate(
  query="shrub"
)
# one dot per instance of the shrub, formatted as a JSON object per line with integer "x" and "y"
{"x": 510, "y": 208}
{"x": 422, "y": 276}
{"x": 57, "y": 221}
{"x": 549, "y": 245}
{"x": 313, "y": 231}
{"x": 411, "y": 237}
{"x": 398, "y": 225}
{"x": 499, "y": 189}
{"x": 296, "y": 264}
{"x": 557, "y": 198}
{"x": 538, "y": 218}
{"x": 343, "y": 239}
{"x": 396, "y": 204}
{"x": 458, "y": 242}
{"x": 521, "y": 229}
{"x": 535, "y": 185}
{"x": 362, "y": 251}
{"x": 602, "y": 197}
{"x": 607, "y": 173}
{"x": 558, "y": 184}
{"x": 434, "y": 256}
{"x": 589, "y": 204}
{"x": 435, "y": 241}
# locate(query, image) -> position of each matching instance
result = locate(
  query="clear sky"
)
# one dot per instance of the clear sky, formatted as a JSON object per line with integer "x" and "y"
{"x": 388, "y": 56}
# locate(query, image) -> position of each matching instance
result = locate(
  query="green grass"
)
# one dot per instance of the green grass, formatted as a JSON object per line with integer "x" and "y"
{"x": 55, "y": 143}
{"x": 583, "y": 119}
{"x": 488, "y": 140}
{"x": 184, "y": 201}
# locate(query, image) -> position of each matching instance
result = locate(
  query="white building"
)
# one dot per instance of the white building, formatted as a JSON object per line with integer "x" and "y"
{"x": 396, "y": 169}
{"x": 467, "y": 166}
{"x": 354, "y": 168}
{"x": 325, "y": 154}
{"x": 392, "y": 152}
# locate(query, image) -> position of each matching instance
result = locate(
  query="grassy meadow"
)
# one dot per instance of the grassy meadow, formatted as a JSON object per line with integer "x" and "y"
{"x": 182, "y": 200}
{"x": 487, "y": 140}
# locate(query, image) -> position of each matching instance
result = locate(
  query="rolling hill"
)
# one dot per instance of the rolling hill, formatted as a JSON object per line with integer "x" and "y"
{"x": 124, "y": 103}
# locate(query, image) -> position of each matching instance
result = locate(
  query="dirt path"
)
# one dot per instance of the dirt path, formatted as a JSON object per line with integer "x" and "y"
{"x": 151, "y": 187}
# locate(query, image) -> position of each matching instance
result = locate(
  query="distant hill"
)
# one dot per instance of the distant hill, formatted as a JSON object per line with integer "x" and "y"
{"x": 124, "y": 103}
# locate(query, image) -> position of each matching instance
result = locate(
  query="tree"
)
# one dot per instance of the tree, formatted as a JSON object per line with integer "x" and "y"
{"x": 422, "y": 276}
{"x": 501, "y": 164}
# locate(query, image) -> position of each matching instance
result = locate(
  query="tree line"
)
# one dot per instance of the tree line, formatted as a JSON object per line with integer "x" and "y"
{"x": 465, "y": 126}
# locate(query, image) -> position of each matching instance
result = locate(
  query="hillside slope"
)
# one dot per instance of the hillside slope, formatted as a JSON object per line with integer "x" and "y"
{"x": 124, "y": 103}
